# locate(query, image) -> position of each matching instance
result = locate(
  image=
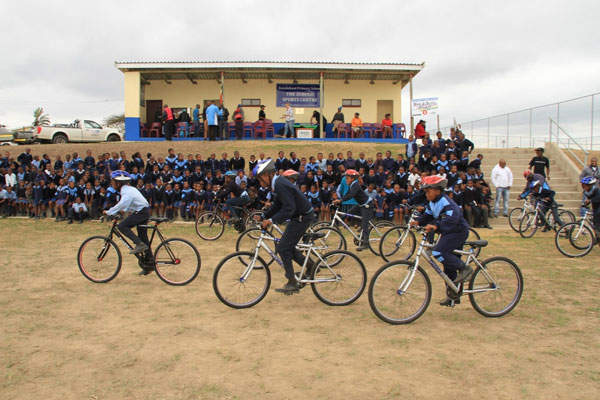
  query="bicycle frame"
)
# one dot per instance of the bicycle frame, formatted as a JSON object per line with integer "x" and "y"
{"x": 457, "y": 289}
{"x": 337, "y": 218}
{"x": 309, "y": 248}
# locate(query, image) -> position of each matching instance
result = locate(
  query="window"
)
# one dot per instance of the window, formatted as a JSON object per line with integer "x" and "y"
{"x": 351, "y": 102}
{"x": 91, "y": 125}
{"x": 251, "y": 102}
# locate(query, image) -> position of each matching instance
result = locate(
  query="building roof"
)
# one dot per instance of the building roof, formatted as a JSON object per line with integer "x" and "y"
{"x": 296, "y": 70}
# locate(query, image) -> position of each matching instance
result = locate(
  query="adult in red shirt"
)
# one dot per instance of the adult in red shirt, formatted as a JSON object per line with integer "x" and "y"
{"x": 420, "y": 130}
{"x": 168, "y": 122}
{"x": 386, "y": 126}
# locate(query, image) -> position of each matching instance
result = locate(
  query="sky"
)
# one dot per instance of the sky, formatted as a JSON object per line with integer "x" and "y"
{"x": 482, "y": 58}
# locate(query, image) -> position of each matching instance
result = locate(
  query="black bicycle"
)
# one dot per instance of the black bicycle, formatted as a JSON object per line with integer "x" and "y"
{"x": 176, "y": 261}
{"x": 210, "y": 225}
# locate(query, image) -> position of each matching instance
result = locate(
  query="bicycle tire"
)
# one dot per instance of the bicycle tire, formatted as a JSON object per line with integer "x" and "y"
{"x": 528, "y": 225}
{"x": 515, "y": 272}
{"x": 516, "y": 214}
{"x": 350, "y": 291}
{"x": 246, "y": 241}
{"x": 87, "y": 271}
{"x": 220, "y": 283}
{"x": 169, "y": 269}
{"x": 376, "y": 233}
{"x": 565, "y": 236}
{"x": 394, "y": 239}
{"x": 566, "y": 216}
{"x": 209, "y": 220}
{"x": 474, "y": 235}
{"x": 321, "y": 224}
{"x": 384, "y": 296}
{"x": 250, "y": 222}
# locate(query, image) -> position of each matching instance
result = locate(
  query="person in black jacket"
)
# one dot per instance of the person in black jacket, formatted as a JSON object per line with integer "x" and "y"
{"x": 241, "y": 196}
{"x": 237, "y": 163}
{"x": 289, "y": 204}
{"x": 364, "y": 207}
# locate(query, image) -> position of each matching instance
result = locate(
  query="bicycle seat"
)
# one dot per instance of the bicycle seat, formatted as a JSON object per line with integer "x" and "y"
{"x": 477, "y": 243}
{"x": 158, "y": 220}
{"x": 312, "y": 236}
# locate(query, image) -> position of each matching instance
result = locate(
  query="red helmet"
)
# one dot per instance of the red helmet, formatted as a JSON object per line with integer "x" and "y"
{"x": 290, "y": 174}
{"x": 434, "y": 182}
{"x": 352, "y": 173}
{"x": 526, "y": 173}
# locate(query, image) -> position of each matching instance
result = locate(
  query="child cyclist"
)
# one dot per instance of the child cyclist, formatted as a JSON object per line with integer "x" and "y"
{"x": 443, "y": 215}
{"x": 591, "y": 193}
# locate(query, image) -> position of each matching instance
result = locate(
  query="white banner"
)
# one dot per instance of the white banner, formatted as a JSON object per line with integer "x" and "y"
{"x": 425, "y": 107}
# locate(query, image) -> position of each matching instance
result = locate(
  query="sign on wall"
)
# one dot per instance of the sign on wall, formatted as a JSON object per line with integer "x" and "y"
{"x": 298, "y": 95}
{"x": 425, "y": 107}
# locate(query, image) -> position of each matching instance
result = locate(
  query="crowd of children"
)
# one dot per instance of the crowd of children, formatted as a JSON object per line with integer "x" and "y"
{"x": 184, "y": 186}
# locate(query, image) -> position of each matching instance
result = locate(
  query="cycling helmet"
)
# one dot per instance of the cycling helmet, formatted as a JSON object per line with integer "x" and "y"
{"x": 352, "y": 173}
{"x": 264, "y": 167}
{"x": 290, "y": 174}
{"x": 230, "y": 174}
{"x": 434, "y": 182}
{"x": 589, "y": 180}
{"x": 120, "y": 176}
{"x": 526, "y": 173}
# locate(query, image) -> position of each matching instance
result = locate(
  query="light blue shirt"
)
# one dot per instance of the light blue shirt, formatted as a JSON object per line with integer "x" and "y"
{"x": 131, "y": 200}
{"x": 212, "y": 114}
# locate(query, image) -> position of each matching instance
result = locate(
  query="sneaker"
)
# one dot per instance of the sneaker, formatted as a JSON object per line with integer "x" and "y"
{"x": 448, "y": 302}
{"x": 463, "y": 274}
{"x": 289, "y": 288}
{"x": 145, "y": 271}
{"x": 139, "y": 248}
{"x": 362, "y": 247}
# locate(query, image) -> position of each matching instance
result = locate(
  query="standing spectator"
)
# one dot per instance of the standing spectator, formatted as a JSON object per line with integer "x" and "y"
{"x": 411, "y": 147}
{"x": 168, "y": 122}
{"x": 25, "y": 158}
{"x": 238, "y": 117}
{"x": 420, "y": 130}
{"x": 316, "y": 119}
{"x": 183, "y": 116}
{"x": 502, "y": 179}
{"x": 212, "y": 119}
{"x": 261, "y": 114}
{"x": 289, "y": 118}
{"x": 356, "y": 125}
{"x": 540, "y": 164}
{"x": 593, "y": 171}
{"x": 223, "y": 120}
{"x": 464, "y": 144}
{"x": 196, "y": 119}
{"x": 337, "y": 119}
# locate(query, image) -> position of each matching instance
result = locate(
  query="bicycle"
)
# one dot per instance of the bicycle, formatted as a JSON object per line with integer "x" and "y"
{"x": 534, "y": 219}
{"x": 400, "y": 291}
{"x": 576, "y": 239}
{"x": 375, "y": 229}
{"x": 176, "y": 261}
{"x": 400, "y": 242}
{"x": 210, "y": 225}
{"x": 516, "y": 214}
{"x": 242, "y": 279}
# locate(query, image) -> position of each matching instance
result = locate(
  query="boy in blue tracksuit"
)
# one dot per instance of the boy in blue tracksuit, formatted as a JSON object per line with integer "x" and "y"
{"x": 591, "y": 195}
{"x": 442, "y": 215}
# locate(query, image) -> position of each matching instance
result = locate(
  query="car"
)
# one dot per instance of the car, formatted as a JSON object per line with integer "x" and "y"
{"x": 6, "y": 136}
{"x": 80, "y": 130}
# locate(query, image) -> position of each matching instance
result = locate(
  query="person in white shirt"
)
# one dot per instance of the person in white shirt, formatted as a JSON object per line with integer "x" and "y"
{"x": 289, "y": 118}
{"x": 78, "y": 210}
{"x": 10, "y": 179}
{"x": 502, "y": 179}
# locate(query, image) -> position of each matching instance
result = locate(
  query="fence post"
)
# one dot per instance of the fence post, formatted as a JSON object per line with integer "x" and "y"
{"x": 507, "y": 127}
{"x": 592, "y": 127}
{"x": 550, "y": 130}
{"x": 557, "y": 113}
{"x": 530, "y": 127}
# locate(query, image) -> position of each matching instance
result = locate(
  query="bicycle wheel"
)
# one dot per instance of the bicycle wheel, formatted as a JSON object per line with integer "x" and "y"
{"x": 99, "y": 259}
{"x": 318, "y": 225}
{"x": 247, "y": 242}
{"x": 250, "y": 222}
{"x": 397, "y": 243}
{"x": 177, "y": 262}
{"x": 376, "y": 233}
{"x": 341, "y": 284}
{"x": 235, "y": 290}
{"x": 210, "y": 226}
{"x": 574, "y": 239}
{"x": 396, "y": 306}
{"x": 474, "y": 235}
{"x": 514, "y": 218}
{"x": 498, "y": 287}
{"x": 566, "y": 217}
{"x": 528, "y": 225}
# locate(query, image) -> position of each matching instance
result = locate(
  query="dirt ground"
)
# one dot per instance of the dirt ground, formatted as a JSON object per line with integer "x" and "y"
{"x": 63, "y": 337}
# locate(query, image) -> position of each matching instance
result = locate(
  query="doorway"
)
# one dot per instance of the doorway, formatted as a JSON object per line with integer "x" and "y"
{"x": 384, "y": 107}
{"x": 152, "y": 107}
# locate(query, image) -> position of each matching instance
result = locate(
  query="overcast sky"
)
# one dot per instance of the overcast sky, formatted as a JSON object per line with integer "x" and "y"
{"x": 482, "y": 58}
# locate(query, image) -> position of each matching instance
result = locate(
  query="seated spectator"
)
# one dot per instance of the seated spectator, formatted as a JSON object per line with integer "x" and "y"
{"x": 78, "y": 210}
{"x": 386, "y": 126}
{"x": 356, "y": 125}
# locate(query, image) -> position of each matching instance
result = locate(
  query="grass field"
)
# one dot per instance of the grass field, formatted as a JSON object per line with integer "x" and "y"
{"x": 63, "y": 337}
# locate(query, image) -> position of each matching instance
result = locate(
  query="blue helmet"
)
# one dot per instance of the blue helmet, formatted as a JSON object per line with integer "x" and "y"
{"x": 589, "y": 180}
{"x": 120, "y": 176}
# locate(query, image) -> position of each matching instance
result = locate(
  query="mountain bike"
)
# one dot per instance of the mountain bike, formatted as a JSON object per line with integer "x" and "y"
{"x": 242, "y": 279}
{"x": 540, "y": 217}
{"x": 518, "y": 213}
{"x": 176, "y": 261}
{"x": 576, "y": 239}
{"x": 376, "y": 229}
{"x": 400, "y": 242}
{"x": 400, "y": 291}
{"x": 210, "y": 225}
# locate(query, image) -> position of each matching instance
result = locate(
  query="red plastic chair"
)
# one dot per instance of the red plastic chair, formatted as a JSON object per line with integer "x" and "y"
{"x": 247, "y": 129}
{"x": 399, "y": 130}
{"x": 342, "y": 128}
{"x": 143, "y": 130}
{"x": 376, "y": 130}
{"x": 269, "y": 127}
{"x": 259, "y": 128}
{"x": 155, "y": 130}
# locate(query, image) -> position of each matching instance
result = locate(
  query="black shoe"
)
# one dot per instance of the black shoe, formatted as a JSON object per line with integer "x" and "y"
{"x": 70, "y": 221}
{"x": 289, "y": 288}
{"x": 488, "y": 227}
{"x": 139, "y": 248}
{"x": 362, "y": 247}
{"x": 463, "y": 274}
{"x": 145, "y": 272}
{"x": 448, "y": 302}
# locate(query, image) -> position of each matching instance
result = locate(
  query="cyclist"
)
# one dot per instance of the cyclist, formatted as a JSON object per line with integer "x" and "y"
{"x": 291, "y": 174}
{"x": 241, "y": 196}
{"x": 443, "y": 215}
{"x": 364, "y": 205}
{"x": 289, "y": 203}
{"x": 541, "y": 191}
{"x": 591, "y": 193}
{"x": 132, "y": 201}
{"x": 530, "y": 177}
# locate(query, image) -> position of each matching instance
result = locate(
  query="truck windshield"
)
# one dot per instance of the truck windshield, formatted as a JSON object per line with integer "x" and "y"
{"x": 92, "y": 125}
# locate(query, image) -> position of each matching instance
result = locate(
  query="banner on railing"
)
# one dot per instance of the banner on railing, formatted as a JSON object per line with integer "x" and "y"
{"x": 298, "y": 95}
{"x": 425, "y": 107}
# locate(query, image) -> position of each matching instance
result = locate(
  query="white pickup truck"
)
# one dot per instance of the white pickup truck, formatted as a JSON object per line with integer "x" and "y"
{"x": 78, "y": 131}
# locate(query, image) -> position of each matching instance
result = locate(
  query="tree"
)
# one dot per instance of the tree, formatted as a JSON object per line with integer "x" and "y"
{"x": 39, "y": 118}
{"x": 116, "y": 120}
